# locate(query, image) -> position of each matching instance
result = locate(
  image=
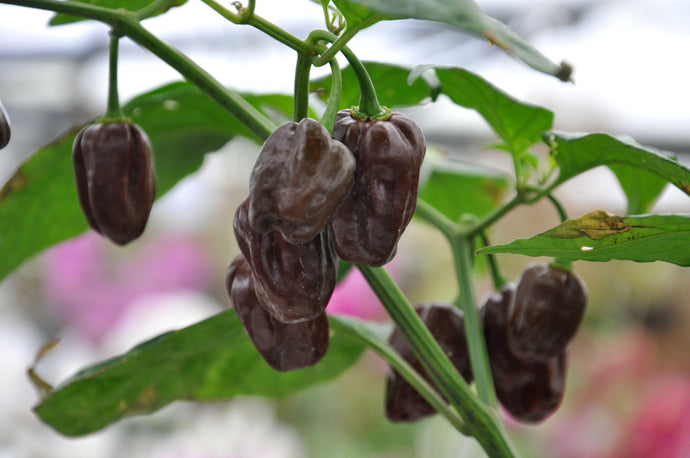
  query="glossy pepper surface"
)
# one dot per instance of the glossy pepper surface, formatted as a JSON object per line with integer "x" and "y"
{"x": 368, "y": 224}
{"x": 299, "y": 179}
{"x": 284, "y": 346}
{"x": 293, "y": 282}
{"x": 4, "y": 127}
{"x": 445, "y": 322}
{"x": 530, "y": 391}
{"x": 115, "y": 177}
{"x": 547, "y": 310}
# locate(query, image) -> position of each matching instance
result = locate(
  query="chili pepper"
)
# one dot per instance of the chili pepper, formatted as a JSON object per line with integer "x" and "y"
{"x": 445, "y": 322}
{"x": 284, "y": 346}
{"x": 530, "y": 391}
{"x": 368, "y": 224}
{"x": 299, "y": 179}
{"x": 547, "y": 310}
{"x": 4, "y": 127}
{"x": 293, "y": 282}
{"x": 114, "y": 173}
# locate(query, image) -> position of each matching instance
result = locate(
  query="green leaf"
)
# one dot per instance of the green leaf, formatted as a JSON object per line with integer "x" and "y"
{"x": 641, "y": 188}
{"x": 519, "y": 125}
{"x": 210, "y": 360}
{"x": 600, "y": 236}
{"x": 456, "y": 188}
{"x": 575, "y": 154}
{"x": 129, "y": 5}
{"x": 39, "y": 206}
{"x": 391, "y": 82}
{"x": 466, "y": 16}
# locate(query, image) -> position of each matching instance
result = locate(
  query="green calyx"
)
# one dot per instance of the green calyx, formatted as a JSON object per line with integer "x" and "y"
{"x": 383, "y": 114}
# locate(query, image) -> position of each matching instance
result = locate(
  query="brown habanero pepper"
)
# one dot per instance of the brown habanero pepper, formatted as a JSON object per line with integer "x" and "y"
{"x": 293, "y": 282}
{"x": 529, "y": 390}
{"x": 299, "y": 179}
{"x": 284, "y": 346}
{"x": 546, "y": 311}
{"x": 368, "y": 224}
{"x": 114, "y": 173}
{"x": 445, "y": 322}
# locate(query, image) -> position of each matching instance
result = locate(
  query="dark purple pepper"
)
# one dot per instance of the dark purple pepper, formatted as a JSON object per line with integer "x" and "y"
{"x": 368, "y": 224}
{"x": 300, "y": 177}
{"x": 115, "y": 178}
{"x": 284, "y": 346}
{"x": 293, "y": 282}
{"x": 530, "y": 391}
{"x": 445, "y": 322}
{"x": 547, "y": 310}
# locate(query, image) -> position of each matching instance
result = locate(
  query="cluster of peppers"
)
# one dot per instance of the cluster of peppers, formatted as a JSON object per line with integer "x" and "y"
{"x": 527, "y": 327}
{"x": 316, "y": 198}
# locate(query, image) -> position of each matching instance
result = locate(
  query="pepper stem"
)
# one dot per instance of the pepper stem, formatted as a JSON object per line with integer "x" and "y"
{"x": 302, "y": 69}
{"x": 113, "y": 111}
{"x": 369, "y": 107}
{"x": 328, "y": 117}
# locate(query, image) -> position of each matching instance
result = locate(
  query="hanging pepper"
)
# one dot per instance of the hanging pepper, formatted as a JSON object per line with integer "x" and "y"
{"x": 114, "y": 174}
{"x": 368, "y": 224}
{"x": 284, "y": 346}
{"x": 546, "y": 312}
{"x": 300, "y": 177}
{"x": 293, "y": 282}
{"x": 530, "y": 391}
{"x": 445, "y": 322}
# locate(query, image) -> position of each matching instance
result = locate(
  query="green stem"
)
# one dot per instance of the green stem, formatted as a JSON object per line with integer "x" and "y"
{"x": 128, "y": 25}
{"x": 559, "y": 208}
{"x": 499, "y": 280}
{"x": 113, "y": 111}
{"x": 301, "y": 99}
{"x": 462, "y": 255}
{"x": 479, "y": 359}
{"x": 483, "y": 424}
{"x": 261, "y": 24}
{"x": 343, "y": 39}
{"x": 494, "y": 216}
{"x": 437, "y": 219}
{"x": 358, "y": 330}
{"x": 369, "y": 107}
{"x": 333, "y": 104}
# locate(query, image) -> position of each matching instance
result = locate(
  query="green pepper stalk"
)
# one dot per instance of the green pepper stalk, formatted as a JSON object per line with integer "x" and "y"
{"x": 113, "y": 111}
{"x": 369, "y": 106}
{"x": 328, "y": 117}
{"x": 301, "y": 100}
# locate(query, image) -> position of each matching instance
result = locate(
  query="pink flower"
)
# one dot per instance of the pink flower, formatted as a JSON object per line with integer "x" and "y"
{"x": 93, "y": 292}
{"x": 354, "y": 297}
{"x": 661, "y": 428}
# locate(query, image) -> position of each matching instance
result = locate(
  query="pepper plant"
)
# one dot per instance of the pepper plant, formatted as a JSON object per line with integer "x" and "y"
{"x": 214, "y": 359}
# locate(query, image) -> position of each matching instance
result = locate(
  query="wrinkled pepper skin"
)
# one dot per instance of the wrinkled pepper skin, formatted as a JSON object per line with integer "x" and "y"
{"x": 4, "y": 127}
{"x": 529, "y": 391}
{"x": 547, "y": 310}
{"x": 115, "y": 178}
{"x": 284, "y": 346}
{"x": 445, "y": 322}
{"x": 300, "y": 177}
{"x": 368, "y": 224}
{"x": 293, "y": 282}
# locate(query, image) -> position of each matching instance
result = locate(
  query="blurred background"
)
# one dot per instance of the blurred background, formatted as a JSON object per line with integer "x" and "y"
{"x": 628, "y": 388}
